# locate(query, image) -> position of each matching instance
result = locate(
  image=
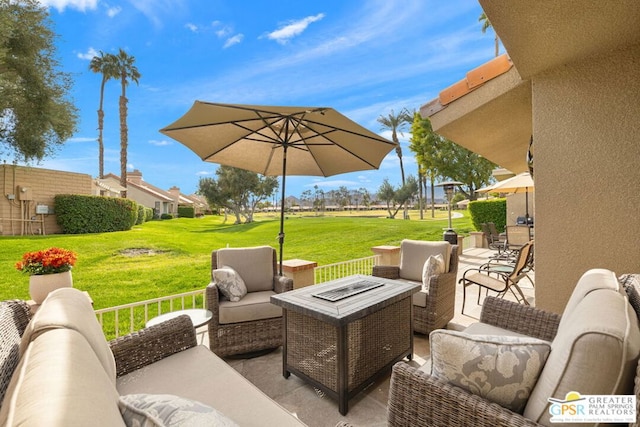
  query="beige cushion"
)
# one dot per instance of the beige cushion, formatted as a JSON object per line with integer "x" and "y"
{"x": 229, "y": 283}
{"x": 433, "y": 266}
{"x": 60, "y": 383}
{"x": 480, "y": 328}
{"x": 254, "y": 306}
{"x": 594, "y": 352}
{"x": 254, "y": 265}
{"x": 69, "y": 308}
{"x": 414, "y": 253}
{"x": 167, "y": 410}
{"x": 200, "y": 375}
{"x": 420, "y": 298}
{"x": 502, "y": 369}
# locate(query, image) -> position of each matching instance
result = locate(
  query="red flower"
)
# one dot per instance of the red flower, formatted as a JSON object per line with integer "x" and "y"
{"x": 49, "y": 261}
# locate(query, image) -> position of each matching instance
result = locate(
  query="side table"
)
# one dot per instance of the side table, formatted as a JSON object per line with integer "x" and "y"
{"x": 199, "y": 317}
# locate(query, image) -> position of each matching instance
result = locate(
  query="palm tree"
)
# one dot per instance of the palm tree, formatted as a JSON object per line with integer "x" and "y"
{"x": 104, "y": 64}
{"x": 486, "y": 24}
{"x": 395, "y": 123}
{"x": 127, "y": 71}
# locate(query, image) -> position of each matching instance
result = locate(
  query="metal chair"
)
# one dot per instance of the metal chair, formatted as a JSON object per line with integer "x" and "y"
{"x": 498, "y": 281}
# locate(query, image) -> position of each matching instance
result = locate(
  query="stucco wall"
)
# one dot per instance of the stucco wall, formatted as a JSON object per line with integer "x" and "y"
{"x": 43, "y": 185}
{"x": 586, "y": 122}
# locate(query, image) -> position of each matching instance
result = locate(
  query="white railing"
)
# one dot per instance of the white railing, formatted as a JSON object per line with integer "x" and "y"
{"x": 127, "y": 318}
{"x": 338, "y": 270}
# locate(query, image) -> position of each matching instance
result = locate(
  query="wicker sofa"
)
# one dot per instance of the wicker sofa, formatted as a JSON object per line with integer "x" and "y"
{"x": 594, "y": 350}
{"x": 58, "y": 370}
{"x": 434, "y": 308}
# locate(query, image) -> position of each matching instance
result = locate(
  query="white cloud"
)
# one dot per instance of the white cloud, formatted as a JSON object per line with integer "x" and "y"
{"x": 162, "y": 143}
{"x": 81, "y": 139}
{"x": 204, "y": 173}
{"x": 284, "y": 34}
{"x": 192, "y": 27}
{"x": 89, "y": 54}
{"x": 60, "y": 5}
{"x": 233, "y": 40}
{"x": 113, "y": 11}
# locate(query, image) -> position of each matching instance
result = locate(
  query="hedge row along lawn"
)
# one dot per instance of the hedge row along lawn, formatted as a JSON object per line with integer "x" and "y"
{"x": 161, "y": 258}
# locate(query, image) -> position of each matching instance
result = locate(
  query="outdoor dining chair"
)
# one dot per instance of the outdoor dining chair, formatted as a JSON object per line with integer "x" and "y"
{"x": 498, "y": 281}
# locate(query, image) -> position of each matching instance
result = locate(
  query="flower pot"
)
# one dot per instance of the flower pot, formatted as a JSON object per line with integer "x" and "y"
{"x": 41, "y": 285}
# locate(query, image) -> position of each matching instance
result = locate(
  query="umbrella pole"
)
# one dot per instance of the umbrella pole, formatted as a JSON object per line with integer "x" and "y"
{"x": 284, "y": 178}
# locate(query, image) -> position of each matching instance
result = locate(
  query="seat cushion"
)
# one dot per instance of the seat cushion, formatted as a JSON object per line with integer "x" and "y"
{"x": 69, "y": 308}
{"x": 414, "y": 253}
{"x": 595, "y": 351}
{"x": 198, "y": 374}
{"x": 254, "y": 265}
{"x": 60, "y": 382}
{"x": 480, "y": 328}
{"x": 254, "y": 306}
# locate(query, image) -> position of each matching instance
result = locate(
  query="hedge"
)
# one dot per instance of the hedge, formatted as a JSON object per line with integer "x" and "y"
{"x": 494, "y": 210}
{"x": 77, "y": 214}
{"x": 186, "y": 212}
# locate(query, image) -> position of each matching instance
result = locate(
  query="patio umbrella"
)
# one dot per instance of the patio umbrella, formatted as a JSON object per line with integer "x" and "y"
{"x": 279, "y": 141}
{"x": 521, "y": 183}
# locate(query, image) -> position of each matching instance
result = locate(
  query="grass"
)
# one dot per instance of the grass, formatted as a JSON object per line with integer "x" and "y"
{"x": 182, "y": 248}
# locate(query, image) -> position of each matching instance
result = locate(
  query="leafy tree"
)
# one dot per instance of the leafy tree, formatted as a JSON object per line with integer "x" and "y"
{"x": 237, "y": 190}
{"x": 425, "y": 143}
{"x": 395, "y": 123}
{"x": 459, "y": 164}
{"x": 319, "y": 199}
{"x": 394, "y": 198}
{"x": 36, "y": 114}
{"x": 106, "y": 65}
{"x": 127, "y": 71}
{"x": 486, "y": 24}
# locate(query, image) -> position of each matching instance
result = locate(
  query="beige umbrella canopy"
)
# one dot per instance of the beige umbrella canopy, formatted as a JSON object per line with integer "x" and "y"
{"x": 521, "y": 183}
{"x": 279, "y": 141}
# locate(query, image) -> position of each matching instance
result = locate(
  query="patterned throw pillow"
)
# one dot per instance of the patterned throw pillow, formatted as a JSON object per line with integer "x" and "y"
{"x": 433, "y": 266}
{"x": 165, "y": 410}
{"x": 631, "y": 285}
{"x": 230, "y": 283}
{"x": 501, "y": 369}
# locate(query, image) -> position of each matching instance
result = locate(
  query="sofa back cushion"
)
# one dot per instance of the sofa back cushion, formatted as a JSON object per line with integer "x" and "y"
{"x": 254, "y": 265}
{"x": 60, "y": 382}
{"x": 69, "y": 308}
{"x": 594, "y": 352}
{"x": 414, "y": 253}
{"x": 14, "y": 317}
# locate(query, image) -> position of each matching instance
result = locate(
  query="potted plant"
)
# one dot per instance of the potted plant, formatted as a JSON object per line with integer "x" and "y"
{"x": 48, "y": 269}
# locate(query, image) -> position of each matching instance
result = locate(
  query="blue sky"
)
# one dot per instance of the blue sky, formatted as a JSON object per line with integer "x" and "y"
{"x": 363, "y": 58}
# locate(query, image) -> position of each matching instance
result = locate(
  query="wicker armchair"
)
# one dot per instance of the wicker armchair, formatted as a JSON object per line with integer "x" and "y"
{"x": 435, "y": 308}
{"x": 417, "y": 399}
{"x": 258, "y": 327}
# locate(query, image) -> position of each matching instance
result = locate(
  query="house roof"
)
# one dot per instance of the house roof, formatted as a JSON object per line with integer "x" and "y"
{"x": 493, "y": 116}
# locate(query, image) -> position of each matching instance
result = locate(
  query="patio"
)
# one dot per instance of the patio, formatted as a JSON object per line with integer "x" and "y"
{"x": 369, "y": 407}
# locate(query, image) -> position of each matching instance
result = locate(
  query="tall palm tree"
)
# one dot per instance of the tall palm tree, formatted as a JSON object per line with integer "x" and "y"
{"x": 486, "y": 24}
{"x": 126, "y": 71}
{"x": 104, "y": 64}
{"x": 395, "y": 123}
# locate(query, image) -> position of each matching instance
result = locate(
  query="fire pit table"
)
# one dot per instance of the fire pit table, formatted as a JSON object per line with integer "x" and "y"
{"x": 342, "y": 335}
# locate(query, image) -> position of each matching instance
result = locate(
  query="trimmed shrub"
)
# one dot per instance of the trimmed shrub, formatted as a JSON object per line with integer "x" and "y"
{"x": 186, "y": 212}
{"x": 494, "y": 210}
{"x": 77, "y": 214}
{"x": 166, "y": 216}
{"x": 140, "y": 218}
{"x": 148, "y": 214}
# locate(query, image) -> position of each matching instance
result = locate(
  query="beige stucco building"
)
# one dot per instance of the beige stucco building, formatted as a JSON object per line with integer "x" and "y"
{"x": 572, "y": 82}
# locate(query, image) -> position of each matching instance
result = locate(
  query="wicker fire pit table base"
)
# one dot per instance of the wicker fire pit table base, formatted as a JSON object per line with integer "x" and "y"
{"x": 341, "y": 344}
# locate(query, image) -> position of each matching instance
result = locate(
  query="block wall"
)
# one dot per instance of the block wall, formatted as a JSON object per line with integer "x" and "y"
{"x": 17, "y": 215}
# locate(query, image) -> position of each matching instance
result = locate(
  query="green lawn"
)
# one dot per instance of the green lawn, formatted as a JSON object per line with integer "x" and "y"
{"x": 183, "y": 247}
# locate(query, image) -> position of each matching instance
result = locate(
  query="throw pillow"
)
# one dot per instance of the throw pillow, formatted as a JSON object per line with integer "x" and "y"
{"x": 631, "y": 285}
{"x": 165, "y": 410}
{"x": 230, "y": 283}
{"x": 433, "y": 266}
{"x": 502, "y": 369}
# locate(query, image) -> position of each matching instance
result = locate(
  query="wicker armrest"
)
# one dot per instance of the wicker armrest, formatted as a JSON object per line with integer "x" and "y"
{"x": 386, "y": 271}
{"x": 417, "y": 399}
{"x": 149, "y": 345}
{"x": 282, "y": 284}
{"x": 520, "y": 318}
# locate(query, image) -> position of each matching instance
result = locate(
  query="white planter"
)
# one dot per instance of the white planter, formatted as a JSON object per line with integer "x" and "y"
{"x": 41, "y": 285}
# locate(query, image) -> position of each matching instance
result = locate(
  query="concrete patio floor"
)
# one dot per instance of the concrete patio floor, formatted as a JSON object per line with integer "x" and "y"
{"x": 369, "y": 407}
